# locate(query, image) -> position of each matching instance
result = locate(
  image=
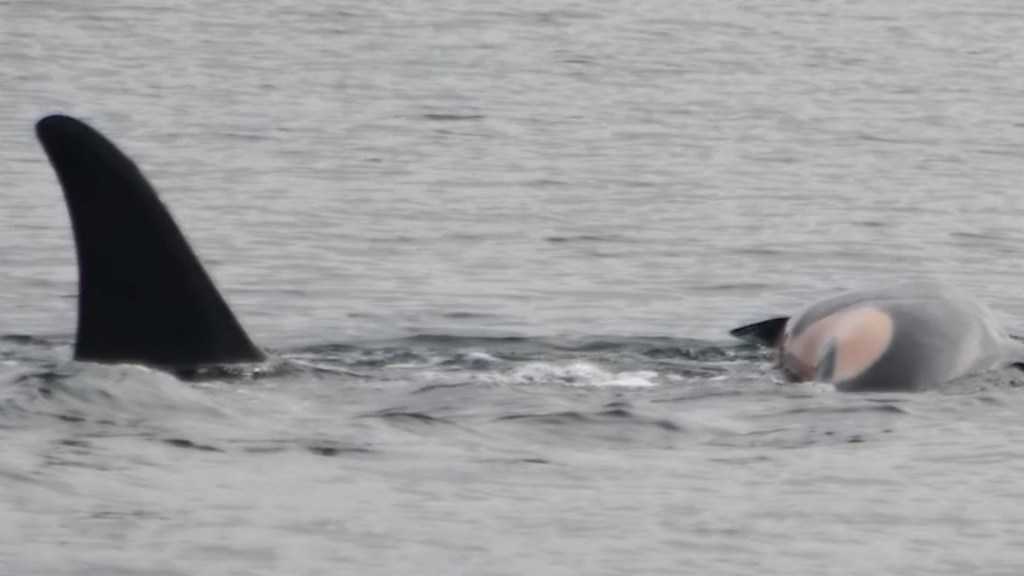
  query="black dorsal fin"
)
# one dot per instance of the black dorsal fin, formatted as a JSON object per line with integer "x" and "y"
{"x": 143, "y": 296}
{"x": 765, "y": 332}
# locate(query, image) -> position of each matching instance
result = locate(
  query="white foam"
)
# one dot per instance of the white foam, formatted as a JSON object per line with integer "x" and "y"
{"x": 581, "y": 374}
{"x": 480, "y": 356}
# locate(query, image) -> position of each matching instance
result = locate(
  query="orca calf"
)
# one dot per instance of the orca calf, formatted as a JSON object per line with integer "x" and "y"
{"x": 905, "y": 337}
{"x": 143, "y": 296}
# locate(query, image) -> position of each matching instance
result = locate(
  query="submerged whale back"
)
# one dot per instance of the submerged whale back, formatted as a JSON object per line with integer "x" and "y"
{"x": 904, "y": 337}
{"x": 143, "y": 296}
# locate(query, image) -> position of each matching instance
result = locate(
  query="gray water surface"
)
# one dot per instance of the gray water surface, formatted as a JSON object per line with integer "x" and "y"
{"x": 496, "y": 249}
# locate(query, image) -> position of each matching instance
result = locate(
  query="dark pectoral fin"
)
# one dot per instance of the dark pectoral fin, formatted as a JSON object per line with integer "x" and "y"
{"x": 143, "y": 296}
{"x": 765, "y": 333}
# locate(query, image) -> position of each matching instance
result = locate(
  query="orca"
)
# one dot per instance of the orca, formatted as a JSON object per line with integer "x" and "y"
{"x": 899, "y": 338}
{"x": 143, "y": 296}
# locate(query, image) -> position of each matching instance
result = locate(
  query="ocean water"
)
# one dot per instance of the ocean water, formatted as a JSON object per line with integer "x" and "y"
{"x": 495, "y": 250}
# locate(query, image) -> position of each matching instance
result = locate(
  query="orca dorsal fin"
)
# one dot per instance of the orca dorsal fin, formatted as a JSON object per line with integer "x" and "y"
{"x": 143, "y": 296}
{"x": 764, "y": 333}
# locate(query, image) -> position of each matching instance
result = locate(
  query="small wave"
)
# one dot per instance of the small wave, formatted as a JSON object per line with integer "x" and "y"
{"x": 466, "y": 315}
{"x": 408, "y": 416}
{"x": 695, "y": 395}
{"x": 586, "y": 238}
{"x": 184, "y": 443}
{"x": 566, "y": 417}
{"x": 796, "y": 437}
{"x": 472, "y": 360}
{"x": 360, "y": 358}
{"x": 24, "y": 340}
{"x": 329, "y": 448}
{"x": 82, "y": 392}
{"x": 446, "y": 386}
{"x": 442, "y": 117}
{"x": 622, "y": 413}
{"x": 403, "y": 417}
{"x": 37, "y": 340}
{"x": 616, "y": 416}
{"x": 825, "y": 411}
{"x": 335, "y": 449}
{"x": 463, "y": 340}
